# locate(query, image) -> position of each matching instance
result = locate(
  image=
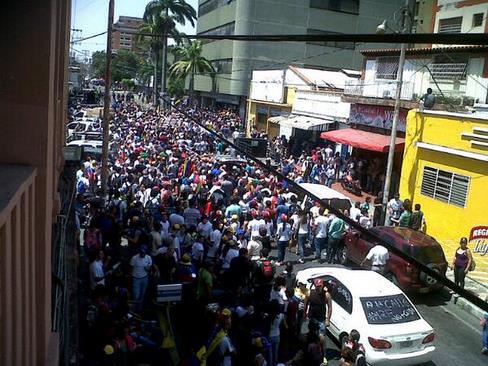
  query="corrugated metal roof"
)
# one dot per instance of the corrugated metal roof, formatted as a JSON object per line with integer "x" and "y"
{"x": 323, "y": 78}
{"x": 426, "y": 50}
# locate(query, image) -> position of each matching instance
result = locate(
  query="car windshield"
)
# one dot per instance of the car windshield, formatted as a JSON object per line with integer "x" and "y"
{"x": 428, "y": 254}
{"x": 391, "y": 309}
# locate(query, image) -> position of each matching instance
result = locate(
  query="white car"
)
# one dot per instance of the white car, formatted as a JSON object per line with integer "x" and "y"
{"x": 87, "y": 125}
{"x": 331, "y": 196}
{"x": 393, "y": 332}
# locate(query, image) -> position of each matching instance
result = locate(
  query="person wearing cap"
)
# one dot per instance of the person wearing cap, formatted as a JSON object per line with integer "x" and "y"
{"x": 254, "y": 225}
{"x": 318, "y": 305}
{"x": 141, "y": 264}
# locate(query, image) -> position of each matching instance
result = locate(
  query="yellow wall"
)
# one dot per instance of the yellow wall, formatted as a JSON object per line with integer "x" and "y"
{"x": 446, "y": 222}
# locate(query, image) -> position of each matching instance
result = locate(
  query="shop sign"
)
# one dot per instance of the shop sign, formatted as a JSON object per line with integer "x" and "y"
{"x": 376, "y": 116}
{"x": 479, "y": 238}
{"x": 478, "y": 243}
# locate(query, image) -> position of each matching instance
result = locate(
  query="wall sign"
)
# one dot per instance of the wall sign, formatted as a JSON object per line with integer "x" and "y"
{"x": 376, "y": 116}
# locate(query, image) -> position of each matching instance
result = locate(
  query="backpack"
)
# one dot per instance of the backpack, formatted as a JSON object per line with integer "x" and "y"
{"x": 81, "y": 188}
{"x": 267, "y": 270}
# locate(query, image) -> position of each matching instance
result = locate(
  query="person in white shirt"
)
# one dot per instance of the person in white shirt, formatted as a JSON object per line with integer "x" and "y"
{"x": 204, "y": 228}
{"x": 283, "y": 237}
{"x": 231, "y": 254}
{"x": 355, "y": 211}
{"x": 141, "y": 264}
{"x": 364, "y": 219}
{"x": 197, "y": 250}
{"x": 214, "y": 244}
{"x": 377, "y": 257}
{"x": 254, "y": 225}
{"x": 320, "y": 224}
{"x": 176, "y": 218}
{"x": 97, "y": 274}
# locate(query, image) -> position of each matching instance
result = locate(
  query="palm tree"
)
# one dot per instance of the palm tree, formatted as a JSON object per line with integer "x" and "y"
{"x": 155, "y": 28}
{"x": 191, "y": 62}
{"x": 169, "y": 13}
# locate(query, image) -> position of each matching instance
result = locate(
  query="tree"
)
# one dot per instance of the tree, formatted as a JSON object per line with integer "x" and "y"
{"x": 167, "y": 14}
{"x": 190, "y": 62}
{"x": 125, "y": 65}
{"x": 97, "y": 68}
{"x": 176, "y": 86}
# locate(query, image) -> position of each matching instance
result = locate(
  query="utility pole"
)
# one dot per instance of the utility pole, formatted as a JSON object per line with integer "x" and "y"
{"x": 396, "y": 114}
{"x": 106, "y": 99}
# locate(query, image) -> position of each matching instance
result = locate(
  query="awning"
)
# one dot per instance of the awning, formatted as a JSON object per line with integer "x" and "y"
{"x": 306, "y": 123}
{"x": 277, "y": 119}
{"x": 363, "y": 139}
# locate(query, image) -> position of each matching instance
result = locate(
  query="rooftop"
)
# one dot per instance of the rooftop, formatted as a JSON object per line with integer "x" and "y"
{"x": 425, "y": 50}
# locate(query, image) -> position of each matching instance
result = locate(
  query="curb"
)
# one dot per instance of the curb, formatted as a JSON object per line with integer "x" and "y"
{"x": 462, "y": 303}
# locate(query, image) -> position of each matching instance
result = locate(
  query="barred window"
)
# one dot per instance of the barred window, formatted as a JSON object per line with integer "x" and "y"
{"x": 450, "y": 25}
{"x": 223, "y": 30}
{"x": 386, "y": 68}
{"x": 445, "y": 186}
{"x": 450, "y": 67}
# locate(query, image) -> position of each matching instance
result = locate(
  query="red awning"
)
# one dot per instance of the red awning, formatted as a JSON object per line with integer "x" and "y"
{"x": 363, "y": 139}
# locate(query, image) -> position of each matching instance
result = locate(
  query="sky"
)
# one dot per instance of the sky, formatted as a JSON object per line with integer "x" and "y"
{"x": 91, "y": 17}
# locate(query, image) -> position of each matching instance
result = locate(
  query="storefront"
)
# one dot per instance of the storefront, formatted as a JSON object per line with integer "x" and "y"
{"x": 369, "y": 146}
{"x": 445, "y": 170}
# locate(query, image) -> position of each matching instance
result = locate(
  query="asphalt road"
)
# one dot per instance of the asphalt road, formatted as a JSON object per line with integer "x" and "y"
{"x": 458, "y": 334}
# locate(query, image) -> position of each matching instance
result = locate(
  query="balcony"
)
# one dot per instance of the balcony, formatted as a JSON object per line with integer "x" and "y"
{"x": 384, "y": 89}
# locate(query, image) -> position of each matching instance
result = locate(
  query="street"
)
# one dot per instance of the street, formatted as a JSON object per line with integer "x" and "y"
{"x": 458, "y": 334}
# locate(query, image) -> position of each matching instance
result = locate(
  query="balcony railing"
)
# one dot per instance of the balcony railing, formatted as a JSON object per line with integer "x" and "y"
{"x": 378, "y": 89}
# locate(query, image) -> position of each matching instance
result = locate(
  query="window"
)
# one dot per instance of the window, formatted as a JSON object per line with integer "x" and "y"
{"x": 392, "y": 309}
{"x": 477, "y": 20}
{"x": 386, "y": 68}
{"x": 340, "y": 294}
{"x": 223, "y": 66}
{"x": 211, "y": 5}
{"x": 344, "y": 45}
{"x": 224, "y": 30}
{"x": 343, "y": 6}
{"x": 445, "y": 186}
{"x": 450, "y": 67}
{"x": 450, "y": 25}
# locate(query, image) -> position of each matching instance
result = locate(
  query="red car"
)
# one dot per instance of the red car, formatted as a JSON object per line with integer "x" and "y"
{"x": 408, "y": 277}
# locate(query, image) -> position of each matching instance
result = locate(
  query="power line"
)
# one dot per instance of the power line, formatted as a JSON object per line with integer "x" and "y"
{"x": 394, "y": 38}
{"x": 89, "y": 37}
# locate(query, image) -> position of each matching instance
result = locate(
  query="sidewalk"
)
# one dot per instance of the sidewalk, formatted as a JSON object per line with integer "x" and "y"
{"x": 470, "y": 285}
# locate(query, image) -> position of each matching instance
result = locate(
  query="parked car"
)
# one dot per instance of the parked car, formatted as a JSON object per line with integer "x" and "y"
{"x": 407, "y": 276}
{"x": 393, "y": 332}
{"x": 86, "y": 125}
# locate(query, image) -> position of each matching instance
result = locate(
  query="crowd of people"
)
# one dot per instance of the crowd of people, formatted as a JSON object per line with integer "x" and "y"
{"x": 176, "y": 214}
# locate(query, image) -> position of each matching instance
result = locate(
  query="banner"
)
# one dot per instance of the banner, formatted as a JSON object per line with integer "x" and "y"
{"x": 478, "y": 243}
{"x": 376, "y": 116}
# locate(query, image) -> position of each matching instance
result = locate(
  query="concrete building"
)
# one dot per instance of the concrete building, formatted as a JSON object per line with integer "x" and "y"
{"x": 121, "y": 40}
{"x": 33, "y": 111}
{"x": 445, "y": 167}
{"x": 234, "y": 60}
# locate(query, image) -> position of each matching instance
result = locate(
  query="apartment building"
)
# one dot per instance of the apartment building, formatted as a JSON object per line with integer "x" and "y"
{"x": 235, "y": 60}
{"x": 122, "y": 38}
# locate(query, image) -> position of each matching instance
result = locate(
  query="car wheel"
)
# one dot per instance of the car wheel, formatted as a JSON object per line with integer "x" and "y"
{"x": 427, "y": 280}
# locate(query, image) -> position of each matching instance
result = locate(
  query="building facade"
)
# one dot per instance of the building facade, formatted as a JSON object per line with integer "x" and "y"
{"x": 33, "y": 112}
{"x": 235, "y": 60}
{"x": 123, "y": 37}
{"x": 445, "y": 167}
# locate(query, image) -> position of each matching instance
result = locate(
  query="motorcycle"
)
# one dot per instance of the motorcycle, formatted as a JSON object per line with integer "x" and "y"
{"x": 350, "y": 184}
